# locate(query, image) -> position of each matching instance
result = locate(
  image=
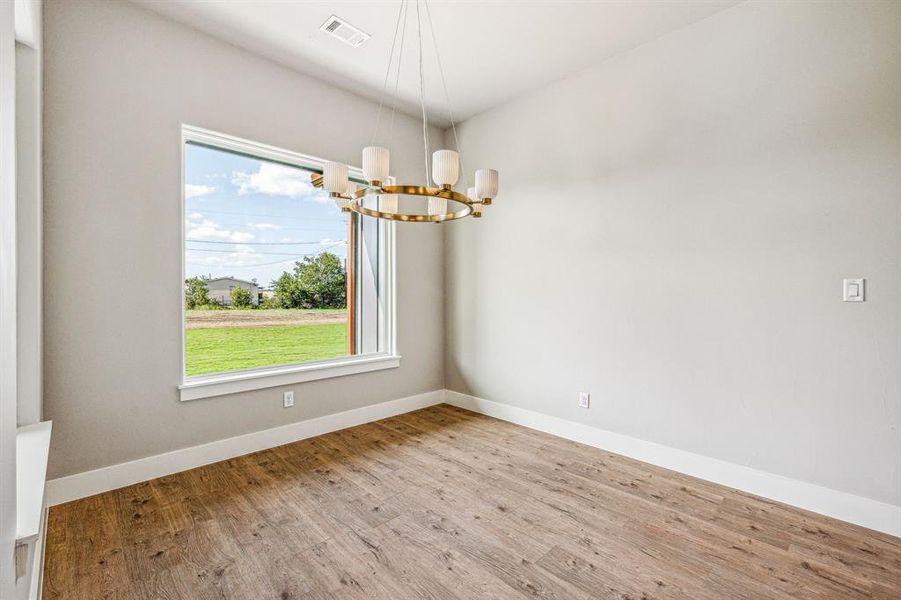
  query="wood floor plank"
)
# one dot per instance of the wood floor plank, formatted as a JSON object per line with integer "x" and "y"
{"x": 758, "y": 518}
{"x": 777, "y": 540}
{"x": 443, "y": 503}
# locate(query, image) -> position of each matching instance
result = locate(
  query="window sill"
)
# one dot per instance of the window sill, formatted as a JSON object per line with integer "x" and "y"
{"x": 232, "y": 383}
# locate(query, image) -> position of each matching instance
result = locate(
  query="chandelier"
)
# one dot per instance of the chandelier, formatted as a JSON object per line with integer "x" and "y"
{"x": 380, "y": 196}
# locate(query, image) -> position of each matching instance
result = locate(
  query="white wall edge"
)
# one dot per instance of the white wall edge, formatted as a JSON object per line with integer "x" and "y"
{"x": 858, "y": 510}
{"x": 28, "y": 22}
{"x": 35, "y": 590}
{"x": 88, "y": 483}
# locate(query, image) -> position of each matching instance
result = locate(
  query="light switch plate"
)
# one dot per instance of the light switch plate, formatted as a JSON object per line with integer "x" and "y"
{"x": 853, "y": 290}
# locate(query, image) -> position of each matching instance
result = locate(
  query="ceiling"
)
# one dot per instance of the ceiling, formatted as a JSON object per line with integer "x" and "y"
{"x": 492, "y": 51}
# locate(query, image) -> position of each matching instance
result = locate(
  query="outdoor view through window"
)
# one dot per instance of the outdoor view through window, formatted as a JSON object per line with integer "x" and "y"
{"x": 265, "y": 265}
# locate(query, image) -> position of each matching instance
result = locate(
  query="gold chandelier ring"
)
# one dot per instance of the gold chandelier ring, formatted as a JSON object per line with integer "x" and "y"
{"x": 356, "y": 203}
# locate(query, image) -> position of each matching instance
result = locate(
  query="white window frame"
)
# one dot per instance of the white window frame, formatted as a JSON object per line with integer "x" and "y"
{"x": 245, "y": 380}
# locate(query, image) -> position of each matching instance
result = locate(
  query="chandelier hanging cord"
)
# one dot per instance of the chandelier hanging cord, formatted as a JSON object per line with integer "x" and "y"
{"x": 378, "y": 118}
{"x": 425, "y": 118}
{"x": 400, "y": 55}
{"x": 450, "y": 111}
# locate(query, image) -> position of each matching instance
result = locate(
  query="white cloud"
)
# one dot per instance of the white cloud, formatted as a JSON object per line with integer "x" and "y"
{"x": 243, "y": 256}
{"x": 262, "y": 226}
{"x": 195, "y": 216}
{"x": 276, "y": 180}
{"x": 330, "y": 242}
{"x": 193, "y": 190}
{"x": 209, "y": 231}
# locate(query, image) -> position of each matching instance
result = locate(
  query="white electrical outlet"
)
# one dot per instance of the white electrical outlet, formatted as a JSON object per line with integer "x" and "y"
{"x": 289, "y": 399}
{"x": 584, "y": 400}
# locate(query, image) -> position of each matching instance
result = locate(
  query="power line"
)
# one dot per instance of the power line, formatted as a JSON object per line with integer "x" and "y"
{"x": 332, "y": 242}
{"x": 257, "y": 253}
{"x": 263, "y": 253}
{"x": 256, "y": 227}
{"x": 233, "y": 252}
{"x": 253, "y": 266}
{"x": 244, "y": 214}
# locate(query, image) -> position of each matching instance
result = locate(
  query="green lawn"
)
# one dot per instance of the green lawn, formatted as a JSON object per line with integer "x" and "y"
{"x": 228, "y": 349}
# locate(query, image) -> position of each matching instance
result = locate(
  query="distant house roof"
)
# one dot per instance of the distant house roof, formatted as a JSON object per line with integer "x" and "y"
{"x": 231, "y": 279}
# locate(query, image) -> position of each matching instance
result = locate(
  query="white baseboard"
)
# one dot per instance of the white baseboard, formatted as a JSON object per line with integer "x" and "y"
{"x": 82, "y": 485}
{"x": 833, "y": 503}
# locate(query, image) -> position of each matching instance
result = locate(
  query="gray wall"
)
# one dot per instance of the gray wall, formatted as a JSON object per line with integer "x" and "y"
{"x": 118, "y": 82}
{"x": 672, "y": 233}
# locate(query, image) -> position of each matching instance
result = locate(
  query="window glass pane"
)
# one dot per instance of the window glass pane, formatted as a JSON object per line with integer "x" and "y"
{"x": 266, "y": 267}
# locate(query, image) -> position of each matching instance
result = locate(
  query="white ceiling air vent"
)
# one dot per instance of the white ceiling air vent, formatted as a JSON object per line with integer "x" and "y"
{"x": 344, "y": 31}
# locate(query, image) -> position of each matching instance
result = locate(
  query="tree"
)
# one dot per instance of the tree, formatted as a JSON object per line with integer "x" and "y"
{"x": 286, "y": 294}
{"x": 317, "y": 282}
{"x": 241, "y": 297}
{"x": 322, "y": 281}
{"x": 196, "y": 292}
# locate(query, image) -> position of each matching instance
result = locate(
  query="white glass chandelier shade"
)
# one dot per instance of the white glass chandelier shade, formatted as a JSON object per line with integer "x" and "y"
{"x": 388, "y": 203}
{"x": 486, "y": 183}
{"x": 376, "y": 161}
{"x": 334, "y": 178}
{"x": 437, "y": 206}
{"x": 445, "y": 167}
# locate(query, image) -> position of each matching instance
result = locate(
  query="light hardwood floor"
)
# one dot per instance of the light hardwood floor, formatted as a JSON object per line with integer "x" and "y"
{"x": 444, "y": 503}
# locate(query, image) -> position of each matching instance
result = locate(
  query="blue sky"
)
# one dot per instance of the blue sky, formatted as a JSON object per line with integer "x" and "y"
{"x": 249, "y": 218}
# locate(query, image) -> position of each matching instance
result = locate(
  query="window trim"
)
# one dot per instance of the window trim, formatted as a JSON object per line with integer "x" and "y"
{"x": 245, "y": 380}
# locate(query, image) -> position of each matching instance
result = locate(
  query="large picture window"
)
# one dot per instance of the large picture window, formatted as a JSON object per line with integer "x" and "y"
{"x": 280, "y": 285}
